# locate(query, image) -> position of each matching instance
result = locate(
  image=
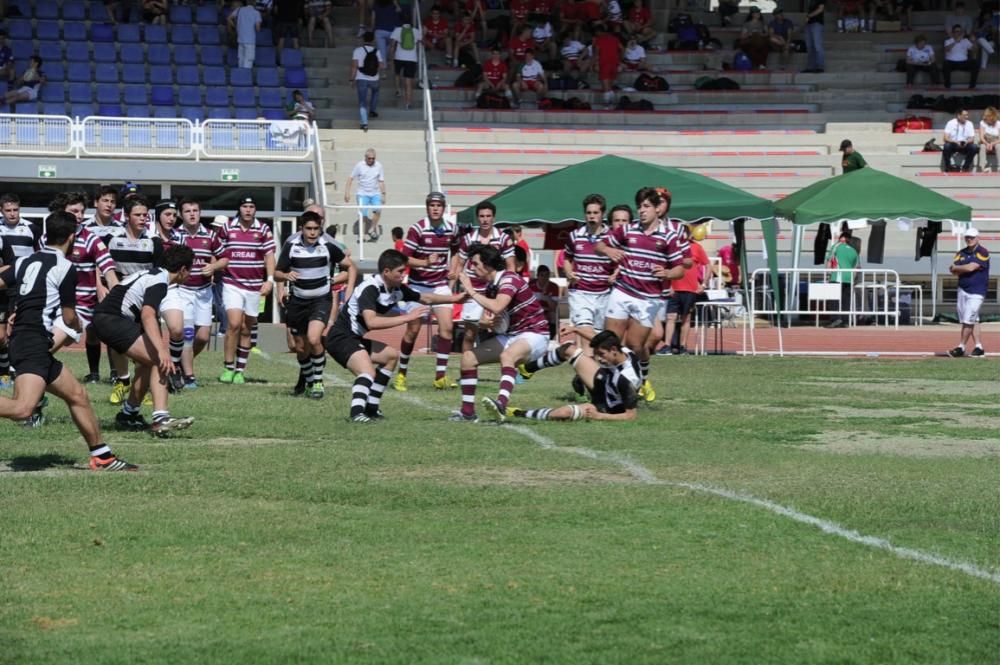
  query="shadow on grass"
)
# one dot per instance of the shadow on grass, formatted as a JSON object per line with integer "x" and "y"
{"x": 30, "y": 463}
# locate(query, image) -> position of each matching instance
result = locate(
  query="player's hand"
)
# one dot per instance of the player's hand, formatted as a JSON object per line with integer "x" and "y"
{"x": 464, "y": 280}
{"x": 572, "y": 278}
{"x": 614, "y": 254}
{"x": 433, "y": 259}
{"x": 291, "y": 276}
{"x": 566, "y": 329}
{"x": 417, "y": 313}
{"x": 588, "y": 411}
{"x": 208, "y": 270}
{"x": 265, "y": 289}
{"x": 166, "y": 366}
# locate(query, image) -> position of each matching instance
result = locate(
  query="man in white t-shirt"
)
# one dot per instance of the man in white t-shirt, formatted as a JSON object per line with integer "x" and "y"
{"x": 920, "y": 58}
{"x": 246, "y": 22}
{"x": 404, "y": 40}
{"x": 530, "y": 77}
{"x": 370, "y": 177}
{"x": 960, "y": 137}
{"x": 959, "y": 54}
{"x": 365, "y": 77}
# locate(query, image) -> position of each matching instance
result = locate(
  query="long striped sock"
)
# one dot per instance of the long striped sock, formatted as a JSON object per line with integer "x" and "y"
{"x": 318, "y": 366}
{"x": 442, "y": 349}
{"x": 535, "y": 414}
{"x": 405, "y": 351}
{"x": 230, "y": 365}
{"x": 94, "y": 358}
{"x": 160, "y": 415}
{"x": 468, "y": 382}
{"x": 507, "y": 377}
{"x": 254, "y": 332}
{"x": 176, "y": 349}
{"x": 5, "y": 358}
{"x": 644, "y": 370}
{"x": 359, "y": 394}
{"x": 128, "y": 409}
{"x": 382, "y": 378}
{"x": 242, "y": 354}
{"x": 551, "y": 359}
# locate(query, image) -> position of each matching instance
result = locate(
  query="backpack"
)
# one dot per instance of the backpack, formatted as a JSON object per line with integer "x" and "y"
{"x": 406, "y": 40}
{"x": 491, "y": 100}
{"x": 649, "y": 83}
{"x": 627, "y": 104}
{"x": 370, "y": 66}
{"x": 688, "y": 33}
{"x": 551, "y": 103}
{"x": 741, "y": 62}
{"x": 577, "y": 104}
{"x": 678, "y": 21}
{"x": 470, "y": 78}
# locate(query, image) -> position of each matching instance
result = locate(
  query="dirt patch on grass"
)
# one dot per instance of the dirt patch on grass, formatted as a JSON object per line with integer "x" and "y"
{"x": 866, "y": 443}
{"x": 506, "y": 477}
{"x": 929, "y": 386}
{"x": 236, "y": 441}
{"x": 941, "y": 414}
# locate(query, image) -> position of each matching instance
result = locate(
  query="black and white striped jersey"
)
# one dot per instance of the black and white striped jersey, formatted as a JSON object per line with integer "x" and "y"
{"x": 46, "y": 282}
{"x": 22, "y": 238}
{"x": 315, "y": 264}
{"x": 104, "y": 231}
{"x": 132, "y": 255}
{"x": 143, "y": 288}
{"x": 6, "y": 254}
{"x": 371, "y": 294}
{"x": 621, "y": 384}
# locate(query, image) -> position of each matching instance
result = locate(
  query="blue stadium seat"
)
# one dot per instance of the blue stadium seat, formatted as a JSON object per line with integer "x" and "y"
{"x": 81, "y": 110}
{"x": 291, "y": 58}
{"x": 46, "y": 10}
{"x": 246, "y": 114}
{"x": 105, "y": 53}
{"x": 192, "y": 113}
{"x": 158, "y": 54}
{"x": 97, "y": 12}
{"x": 264, "y": 36}
{"x": 24, "y": 50}
{"x": 180, "y": 15}
{"x": 101, "y": 33}
{"x": 54, "y": 108}
{"x": 212, "y": 56}
{"x": 78, "y": 72}
{"x": 136, "y": 96}
{"x": 208, "y": 35}
{"x": 155, "y": 34}
{"x": 270, "y": 98}
{"x": 188, "y": 75}
{"x": 219, "y": 113}
{"x": 108, "y": 94}
{"x": 296, "y": 78}
{"x": 232, "y": 59}
{"x": 268, "y": 78}
{"x": 134, "y": 73}
{"x": 161, "y": 75}
{"x": 106, "y": 73}
{"x": 77, "y": 52}
{"x": 54, "y": 72}
{"x": 240, "y": 77}
{"x": 47, "y": 31}
{"x": 206, "y": 15}
{"x": 74, "y": 32}
{"x": 244, "y": 98}
{"x": 217, "y": 96}
{"x": 128, "y": 33}
{"x": 162, "y": 95}
{"x": 80, "y": 93}
{"x": 264, "y": 56}
{"x": 181, "y": 34}
{"x": 74, "y": 11}
{"x": 110, "y": 110}
{"x": 53, "y": 92}
{"x": 137, "y": 111}
{"x": 19, "y": 29}
{"x": 164, "y": 112}
{"x": 28, "y": 108}
{"x": 274, "y": 114}
{"x": 132, "y": 54}
{"x": 189, "y": 94}
{"x": 185, "y": 55}
{"x": 214, "y": 76}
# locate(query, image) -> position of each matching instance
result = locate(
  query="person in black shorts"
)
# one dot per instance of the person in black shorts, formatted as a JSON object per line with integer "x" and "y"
{"x": 611, "y": 377}
{"x": 366, "y": 310}
{"x": 306, "y": 263}
{"x": 46, "y": 283}
{"x": 127, "y": 320}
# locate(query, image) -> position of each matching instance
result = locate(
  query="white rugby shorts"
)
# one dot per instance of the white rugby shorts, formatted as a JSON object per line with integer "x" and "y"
{"x": 587, "y": 309}
{"x": 236, "y": 298}
{"x": 968, "y": 307}
{"x": 539, "y": 343}
{"x": 624, "y": 306}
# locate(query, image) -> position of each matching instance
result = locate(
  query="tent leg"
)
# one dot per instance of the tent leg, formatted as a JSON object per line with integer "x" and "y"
{"x": 934, "y": 280}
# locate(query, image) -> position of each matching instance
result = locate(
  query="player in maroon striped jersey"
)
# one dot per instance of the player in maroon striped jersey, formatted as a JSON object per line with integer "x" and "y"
{"x": 588, "y": 273}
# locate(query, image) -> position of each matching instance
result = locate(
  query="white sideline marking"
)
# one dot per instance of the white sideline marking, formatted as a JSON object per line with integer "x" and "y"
{"x": 644, "y": 475}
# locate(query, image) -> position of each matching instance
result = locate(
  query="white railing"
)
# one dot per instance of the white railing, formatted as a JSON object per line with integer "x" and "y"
{"x": 433, "y": 169}
{"x": 176, "y": 138}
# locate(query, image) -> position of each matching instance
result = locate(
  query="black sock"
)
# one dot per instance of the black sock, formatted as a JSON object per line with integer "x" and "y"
{"x": 94, "y": 358}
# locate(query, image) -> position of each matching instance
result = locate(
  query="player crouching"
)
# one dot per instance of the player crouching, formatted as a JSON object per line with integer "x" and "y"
{"x": 127, "y": 320}
{"x": 611, "y": 378}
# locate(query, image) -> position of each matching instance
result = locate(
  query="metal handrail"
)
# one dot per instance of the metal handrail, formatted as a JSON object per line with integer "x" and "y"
{"x": 433, "y": 169}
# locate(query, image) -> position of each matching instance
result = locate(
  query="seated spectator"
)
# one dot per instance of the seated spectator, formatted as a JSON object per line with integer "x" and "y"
{"x": 613, "y": 16}
{"x": 957, "y": 17}
{"x": 639, "y": 23}
{"x": 517, "y": 47}
{"x": 542, "y": 10}
{"x": 154, "y": 12}
{"x": 989, "y": 136}
{"x": 544, "y": 40}
{"x": 319, "y": 11}
{"x": 437, "y": 32}
{"x": 530, "y": 77}
{"x": 266, "y": 9}
{"x": 466, "y": 50}
{"x": 495, "y": 76}
{"x": 574, "y": 56}
{"x": 634, "y": 56}
{"x": 754, "y": 40}
{"x": 590, "y": 13}
{"x": 111, "y": 6}
{"x": 7, "y": 72}
{"x": 779, "y": 32}
{"x": 959, "y": 53}
{"x": 960, "y": 137}
{"x": 547, "y": 293}
{"x": 903, "y": 11}
{"x": 569, "y": 19}
{"x": 726, "y": 9}
{"x": 920, "y": 58}
{"x": 984, "y": 37}
{"x": 852, "y": 15}
{"x": 519, "y": 11}
{"x": 25, "y": 88}
{"x": 477, "y": 10}
{"x": 301, "y": 108}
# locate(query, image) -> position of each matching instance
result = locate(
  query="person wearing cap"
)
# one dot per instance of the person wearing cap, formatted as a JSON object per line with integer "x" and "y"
{"x": 779, "y": 33}
{"x": 249, "y": 245}
{"x": 427, "y": 247}
{"x": 852, "y": 159}
{"x": 972, "y": 266}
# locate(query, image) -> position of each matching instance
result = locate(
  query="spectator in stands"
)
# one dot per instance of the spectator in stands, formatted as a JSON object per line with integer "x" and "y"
{"x": 634, "y": 56}
{"x": 370, "y": 176}
{"x": 517, "y": 233}
{"x": 404, "y": 41}
{"x": 26, "y": 87}
{"x": 111, "y": 6}
{"x": 437, "y": 32}
{"x": 266, "y": 9}
{"x": 543, "y": 40}
{"x": 365, "y": 77}
{"x": 842, "y": 259}
{"x": 920, "y": 58}
{"x": 639, "y": 23}
{"x": 989, "y": 136}
{"x": 154, "y": 12}
{"x": 385, "y": 19}
{"x": 959, "y": 53}
{"x": 957, "y": 17}
{"x": 972, "y": 266}
{"x": 302, "y": 108}
{"x": 985, "y": 35}
{"x": 319, "y": 12}
{"x": 397, "y": 238}
{"x": 7, "y": 72}
{"x": 607, "y": 54}
{"x": 960, "y": 137}
{"x": 547, "y": 293}
{"x": 730, "y": 271}
{"x": 516, "y": 49}
{"x": 574, "y": 56}
{"x": 495, "y": 76}
{"x": 286, "y": 23}
{"x": 754, "y": 40}
{"x": 364, "y": 14}
{"x": 466, "y": 50}
{"x": 246, "y": 22}
{"x": 816, "y": 59}
{"x": 779, "y": 34}
{"x": 726, "y": 9}
{"x": 852, "y": 159}
{"x": 530, "y": 77}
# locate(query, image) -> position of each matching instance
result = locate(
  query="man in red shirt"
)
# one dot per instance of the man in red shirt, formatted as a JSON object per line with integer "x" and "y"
{"x": 495, "y": 76}
{"x": 547, "y": 293}
{"x": 608, "y": 56}
{"x": 516, "y": 50}
{"x": 686, "y": 292}
{"x": 437, "y": 32}
{"x": 638, "y": 22}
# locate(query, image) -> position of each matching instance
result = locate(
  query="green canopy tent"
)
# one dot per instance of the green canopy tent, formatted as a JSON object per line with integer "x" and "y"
{"x": 557, "y": 197}
{"x": 868, "y": 194}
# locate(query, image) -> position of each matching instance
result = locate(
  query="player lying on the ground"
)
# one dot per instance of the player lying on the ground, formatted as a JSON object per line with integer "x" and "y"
{"x": 611, "y": 377}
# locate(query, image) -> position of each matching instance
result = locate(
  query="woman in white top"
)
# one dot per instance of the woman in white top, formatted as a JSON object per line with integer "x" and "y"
{"x": 989, "y": 136}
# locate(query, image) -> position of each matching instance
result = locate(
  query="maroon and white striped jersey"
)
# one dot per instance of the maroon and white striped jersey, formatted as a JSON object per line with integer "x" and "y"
{"x": 645, "y": 254}
{"x": 207, "y": 247}
{"x": 498, "y": 239}
{"x": 525, "y": 313}
{"x": 593, "y": 269}
{"x": 89, "y": 253}
{"x": 422, "y": 240}
{"x": 246, "y": 249}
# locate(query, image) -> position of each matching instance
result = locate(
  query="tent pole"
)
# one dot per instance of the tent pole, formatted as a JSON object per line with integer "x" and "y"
{"x": 934, "y": 280}
{"x": 798, "y": 232}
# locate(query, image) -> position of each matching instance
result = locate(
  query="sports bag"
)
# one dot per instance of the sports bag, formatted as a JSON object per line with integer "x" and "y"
{"x": 911, "y": 123}
{"x": 649, "y": 83}
{"x": 490, "y": 100}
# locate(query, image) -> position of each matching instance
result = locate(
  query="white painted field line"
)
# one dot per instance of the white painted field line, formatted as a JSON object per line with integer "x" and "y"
{"x": 646, "y": 476}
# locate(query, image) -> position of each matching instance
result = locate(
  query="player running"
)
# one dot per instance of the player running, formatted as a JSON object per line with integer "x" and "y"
{"x": 19, "y": 238}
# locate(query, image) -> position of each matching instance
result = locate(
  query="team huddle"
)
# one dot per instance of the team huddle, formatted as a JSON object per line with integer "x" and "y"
{"x": 120, "y": 278}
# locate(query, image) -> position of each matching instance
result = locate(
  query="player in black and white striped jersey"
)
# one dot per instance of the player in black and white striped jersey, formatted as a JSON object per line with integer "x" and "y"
{"x": 46, "y": 284}
{"x": 128, "y": 321}
{"x": 307, "y": 263}
{"x": 21, "y": 238}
